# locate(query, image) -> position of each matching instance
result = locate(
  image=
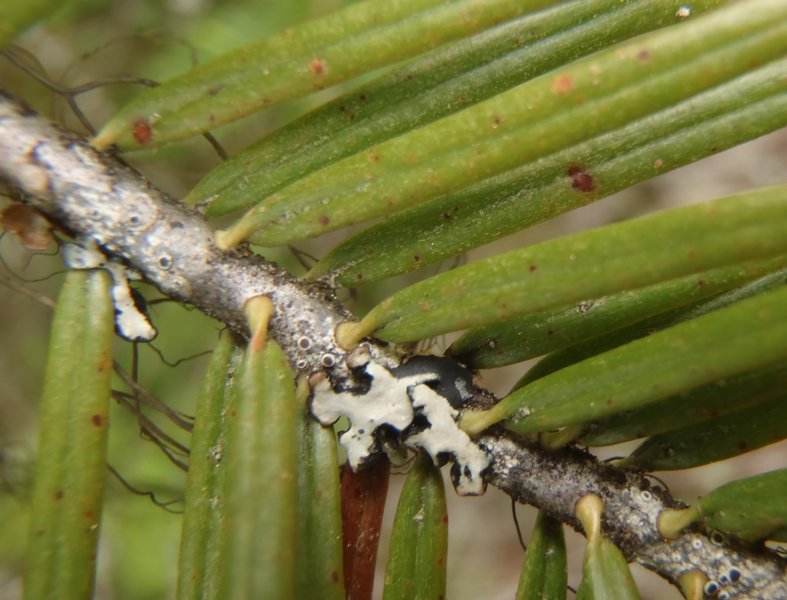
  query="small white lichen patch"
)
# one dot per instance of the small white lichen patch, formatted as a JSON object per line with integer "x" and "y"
{"x": 394, "y": 403}
{"x": 461, "y": 387}
{"x": 444, "y": 437}
{"x": 524, "y": 412}
{"x": 386, "y": 403}
{"x": 131, "y": 323}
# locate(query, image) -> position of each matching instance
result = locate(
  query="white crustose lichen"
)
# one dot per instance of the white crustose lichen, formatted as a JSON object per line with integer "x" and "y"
{"x": 405, "y": 405}
{"x": 130, "y": 322}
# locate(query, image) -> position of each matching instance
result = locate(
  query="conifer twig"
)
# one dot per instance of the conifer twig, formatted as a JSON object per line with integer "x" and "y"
{"x": 94, "y": 196}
